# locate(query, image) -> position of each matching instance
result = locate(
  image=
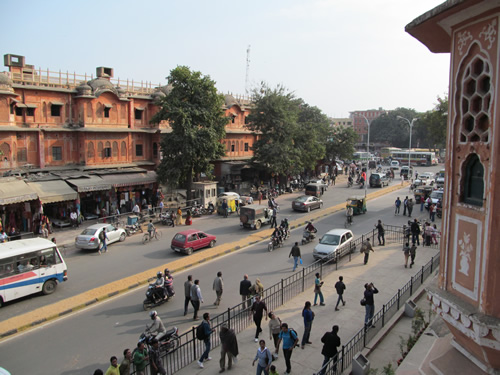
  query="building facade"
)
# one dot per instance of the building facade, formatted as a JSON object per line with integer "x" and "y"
{"x": 469, "y": 284}
{"x": 360, "y": 120}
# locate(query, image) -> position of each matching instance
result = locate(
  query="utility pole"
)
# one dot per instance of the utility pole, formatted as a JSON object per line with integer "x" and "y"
{"x": 248, "y": 70}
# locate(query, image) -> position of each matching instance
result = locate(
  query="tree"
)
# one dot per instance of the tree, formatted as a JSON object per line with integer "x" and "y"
{"x": 194, "y": 110}
{"x": 391, "y": 130}
{"x": 432, "y": 125}
{"x": 340, "y": 143}
{"x": 291, "y": 133}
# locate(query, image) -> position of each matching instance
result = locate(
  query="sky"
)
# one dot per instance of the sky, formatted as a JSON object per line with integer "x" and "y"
{"x": 337, "y": 55}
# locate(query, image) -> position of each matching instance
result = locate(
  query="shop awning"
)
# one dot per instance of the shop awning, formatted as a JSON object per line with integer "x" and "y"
{"x": 13, "y": 190}
{"x": 92, "y": 183}
{"x": 53, "y": 191}
{"x": 130, "y": 179}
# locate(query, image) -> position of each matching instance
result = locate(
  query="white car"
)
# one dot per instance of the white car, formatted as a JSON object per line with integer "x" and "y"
{"x": 436, "y": 196}
{"x": 425, "y": 178}
{"x": 89, "y": 238}
{"x": 332, "y": 242}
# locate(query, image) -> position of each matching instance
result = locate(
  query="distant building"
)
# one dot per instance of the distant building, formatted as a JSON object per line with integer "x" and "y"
{"x": 359, "y": 119}
{"x": 345, "y": 122}
{"x": 467, "y": 295}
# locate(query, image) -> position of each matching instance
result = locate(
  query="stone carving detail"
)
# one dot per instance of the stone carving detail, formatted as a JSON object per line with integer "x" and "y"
{"x": 465, "y": 250}
{"x": 489, "y": 33}
{"x": 463, "y": 38}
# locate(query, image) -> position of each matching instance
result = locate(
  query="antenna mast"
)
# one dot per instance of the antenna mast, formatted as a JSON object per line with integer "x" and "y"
{"x": 248, "y": 70}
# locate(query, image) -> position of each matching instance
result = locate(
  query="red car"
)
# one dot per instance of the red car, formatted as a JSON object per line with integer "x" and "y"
{"x": 192, "y": 239}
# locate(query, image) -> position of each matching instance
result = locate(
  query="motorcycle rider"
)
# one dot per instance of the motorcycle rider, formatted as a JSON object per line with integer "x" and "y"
{"x": 156, "y": 328}
{"x": 277, "y": 235}
{"x": 284, "y": 226}
{"x": 169, "y": 283}
{"x": 349, "y": 181}
{"x": 159, "y": 285}
{"x": 211, "y": 207}
{"x": 310, "y": 230}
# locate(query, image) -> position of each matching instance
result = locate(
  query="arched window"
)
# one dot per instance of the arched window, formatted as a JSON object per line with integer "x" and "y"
{"x": 115, "y": 149}
{"x": 89, "y": 110}
{"x": 473, "y": 181}
{"x": 99, "y": 149}
{"x": 124, "y": 149}
{"x": 90, "y": 150}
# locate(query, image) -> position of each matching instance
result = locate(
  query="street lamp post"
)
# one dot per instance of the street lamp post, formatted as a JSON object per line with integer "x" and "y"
{"x": 409, "y": 147}
{"x": 367, "y": 149}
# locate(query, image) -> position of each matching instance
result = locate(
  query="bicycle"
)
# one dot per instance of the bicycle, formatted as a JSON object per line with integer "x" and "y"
{"x": 348, "y": 221}
{"x": 146, "y": 237}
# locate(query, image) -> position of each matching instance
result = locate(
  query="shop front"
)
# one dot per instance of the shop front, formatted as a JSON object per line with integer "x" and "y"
{"x": 17, "y": 202}
{"x": 94, "y": 196}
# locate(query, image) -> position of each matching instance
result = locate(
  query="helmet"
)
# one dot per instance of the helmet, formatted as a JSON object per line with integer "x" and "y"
{"x": 167, "y": 271}
{"x": 153, "y": 314}
{"x": 159, "y": 274}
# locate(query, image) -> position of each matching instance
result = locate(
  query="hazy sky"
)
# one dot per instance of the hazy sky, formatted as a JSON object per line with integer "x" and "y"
{"x": 338, "y": 55}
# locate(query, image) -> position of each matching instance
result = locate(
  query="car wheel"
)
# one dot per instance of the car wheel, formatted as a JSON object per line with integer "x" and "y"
{"x": 258, "y": 225}
{"x": 212, "y": 243}
{"x": 308, "y": 208}
{"x": 49, "y": 287}
{"x": 189, "y": 251}
{"x": 122, "y": 237}
{"x": 320, "y": 206}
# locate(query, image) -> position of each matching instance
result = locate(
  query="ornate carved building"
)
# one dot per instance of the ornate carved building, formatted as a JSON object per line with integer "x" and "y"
{"x": 469, "y": 279}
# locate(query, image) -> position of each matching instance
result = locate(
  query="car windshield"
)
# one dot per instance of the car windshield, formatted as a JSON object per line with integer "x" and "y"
{"x": 437, "y": 195}
{"x": 330, "y": 239}
{"x": 180, "y": 237}
{"x": 88, "y": 232}
{"x": 301, "y": 199}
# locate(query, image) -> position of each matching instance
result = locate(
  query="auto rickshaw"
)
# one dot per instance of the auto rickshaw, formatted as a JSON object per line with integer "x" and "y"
{"x": 422, "y": 193}
{"x": 232, "y": 204}
{"x": 358, "y": 204}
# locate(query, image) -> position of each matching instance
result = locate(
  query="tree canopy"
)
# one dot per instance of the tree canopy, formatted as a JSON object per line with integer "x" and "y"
{"x": 291, "y": 133}
{"x": 194, "y": 110}
{"x": 340, "y": 143}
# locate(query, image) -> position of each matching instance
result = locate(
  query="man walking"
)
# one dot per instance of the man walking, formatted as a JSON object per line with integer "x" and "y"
{"x": 229, "y": 346}
{"x": 381, "y": 233}
{"x": 207, "y": 330}
{"x": 273, "y": 218}
{"x": 415, "y": 232}
{"x": 410, "y": 206}
{"x": 290, "y": 340}
{"x": 103, "y": 237}
{"x": 225, "y": 207}
{"x": 196, "y": 298}
{"x": 218, "y": 286}
{"x": 340, "y": 287}
{"x": 295, "y": 252}
{"x": 397, "y": 204}
{"x": 405, "y": 203}
{"x": 257, "y": 310}
{"x": 366, "y": 248}
{"x": 413, "y": 253}
{"x": 188, "y": 284}
{"x": 317, "y": 291}
{"x": 245, "y": 285}
{"x": 370, "y": 290}
{"x": 331, "y": 341}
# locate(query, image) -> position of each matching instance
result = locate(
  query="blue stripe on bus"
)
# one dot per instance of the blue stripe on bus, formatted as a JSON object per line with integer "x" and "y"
{"x": 37, "y": 280}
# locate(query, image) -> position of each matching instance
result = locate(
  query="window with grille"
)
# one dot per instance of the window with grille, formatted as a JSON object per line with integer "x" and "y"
{"x": 22, "y": 154}
{"x": 56, "y": 153}
{"x": 138, "y": 150}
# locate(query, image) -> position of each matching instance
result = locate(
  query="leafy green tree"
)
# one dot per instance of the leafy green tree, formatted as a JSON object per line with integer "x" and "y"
{"x": 340, "y": 143}
{"x": 393, "y": 131}
{"x": 432, "y": 125}
{"x": 194, "y": 110}
{"x": 291, "y": 133}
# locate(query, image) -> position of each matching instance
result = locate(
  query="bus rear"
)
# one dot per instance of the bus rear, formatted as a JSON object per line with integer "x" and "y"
{"x": 30, "y": 266}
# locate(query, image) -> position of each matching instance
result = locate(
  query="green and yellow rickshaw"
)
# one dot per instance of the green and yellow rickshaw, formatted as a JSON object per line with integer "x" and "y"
{"x": 358, "y": 204}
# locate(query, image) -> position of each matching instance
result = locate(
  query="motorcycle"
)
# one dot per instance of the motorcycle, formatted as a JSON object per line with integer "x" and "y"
{"x": 274, "y": 243}
{"x": 308, "y": 236}
{"x": 211, "y": 209}
{"x": 197, "y": 211}
{"x": 153, "y": 298}
{"x": 167, "y": 344}
{"x": 133, "y": 229}
{"x": 168, "y": 219}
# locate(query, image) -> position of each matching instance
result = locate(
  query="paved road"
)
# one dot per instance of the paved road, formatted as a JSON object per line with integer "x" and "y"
{"x": 87, "y": 270}
{"x": 84, "y": 341}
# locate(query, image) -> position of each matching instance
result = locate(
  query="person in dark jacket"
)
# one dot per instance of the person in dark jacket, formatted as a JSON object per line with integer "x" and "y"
{"x": 370, "y": 290}
{"x": 257, "y": 310}
{"x": 340, "y": 287}
{"x": 208, "y": 331}
{"x": 295, "y": 252}
{"x": 229, "y": 346}
{"x": 330, "y": 341}
{"x": 245, "y": 285}
{"x": 381, "y": 233}
{"x": 415, "y": 232}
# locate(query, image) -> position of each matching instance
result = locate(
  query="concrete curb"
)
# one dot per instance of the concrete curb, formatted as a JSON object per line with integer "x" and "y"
{"x": 102, "y": 293}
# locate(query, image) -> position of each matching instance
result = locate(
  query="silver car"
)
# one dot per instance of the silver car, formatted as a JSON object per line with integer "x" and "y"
{"x": 89, "y": 238}
{"x": 306, "y": 203}
{"x": 335, "y": 240}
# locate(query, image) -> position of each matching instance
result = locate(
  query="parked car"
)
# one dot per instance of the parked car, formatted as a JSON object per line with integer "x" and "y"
{"x": 332, "y": 242}
{"x": 192, "y": 239}
{"x": 255, "y": 215}
{"x": 378, "y": 180}
{"x": 306, "y": 203}
{"x": 89, "y": 238}
{"x": 436, "y": 195}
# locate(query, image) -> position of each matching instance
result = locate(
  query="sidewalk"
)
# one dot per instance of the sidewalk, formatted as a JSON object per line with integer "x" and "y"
{"x": 385, "y": 269}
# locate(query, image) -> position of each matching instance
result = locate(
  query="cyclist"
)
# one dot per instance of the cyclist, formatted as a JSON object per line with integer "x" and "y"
{"x": 349, "y": 213}
{"x": 151, "y": 229}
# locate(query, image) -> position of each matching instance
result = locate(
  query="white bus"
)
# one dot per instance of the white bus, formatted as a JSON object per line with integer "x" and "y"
{"x": 30, "y": 266}
{"x": 418, "y": 158}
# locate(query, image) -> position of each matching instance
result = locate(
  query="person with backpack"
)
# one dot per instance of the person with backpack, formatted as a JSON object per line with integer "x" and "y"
{"x": 264, "y": 357}
{"x": 203, "y": 332}
{"x": 103, "y": 237}
{"x": 290, "y": 340}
